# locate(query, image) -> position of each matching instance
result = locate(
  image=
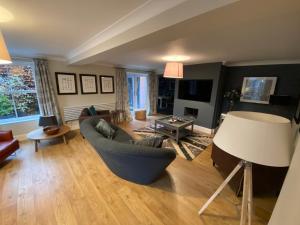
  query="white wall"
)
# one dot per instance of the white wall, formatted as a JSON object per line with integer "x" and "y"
{"x": 20, "y": 129}
{"x": 79, "y": 99}
{"x": 286, "y": 211}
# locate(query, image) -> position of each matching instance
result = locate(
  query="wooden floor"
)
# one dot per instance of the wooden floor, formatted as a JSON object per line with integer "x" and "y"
{"x": 70, "y": 184}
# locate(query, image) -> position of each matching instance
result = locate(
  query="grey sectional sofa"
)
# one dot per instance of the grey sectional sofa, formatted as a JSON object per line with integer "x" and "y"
{"x": 134, "y": 163}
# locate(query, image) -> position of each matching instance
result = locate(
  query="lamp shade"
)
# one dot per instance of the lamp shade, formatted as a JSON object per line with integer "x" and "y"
{"x": 4, "y": 55}
{"x": 173, "y": 70}
{"x": 47, "y": 121}
{"x": 256, "y": 137}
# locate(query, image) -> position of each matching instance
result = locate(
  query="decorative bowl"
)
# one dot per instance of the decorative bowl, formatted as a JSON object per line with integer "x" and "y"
{"x": 51, "y": 130}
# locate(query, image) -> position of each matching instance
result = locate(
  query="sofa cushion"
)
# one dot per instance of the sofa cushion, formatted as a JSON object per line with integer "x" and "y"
{"x": 85, "y": 112}
{"x": 105, "y": 129}
{"x": 5, "y": 144}
{"x": 155, "y": 142}
{"x": 7, "y": 148}
{"x": 121, "y": 135}
{"x": 92, "y": 111}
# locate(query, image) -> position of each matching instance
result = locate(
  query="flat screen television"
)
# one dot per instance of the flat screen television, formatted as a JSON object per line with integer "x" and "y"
{"x": 195, "y": 90}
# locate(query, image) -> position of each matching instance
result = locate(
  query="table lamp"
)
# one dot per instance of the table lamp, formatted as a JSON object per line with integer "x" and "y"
{"x": 254, "y": 138}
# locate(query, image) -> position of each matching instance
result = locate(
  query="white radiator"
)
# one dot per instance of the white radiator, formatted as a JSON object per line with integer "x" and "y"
{"x": 72, "y": 112}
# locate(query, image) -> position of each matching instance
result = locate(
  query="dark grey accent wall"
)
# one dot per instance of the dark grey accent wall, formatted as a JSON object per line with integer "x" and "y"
{"x": 207, "y": 111}
{"x": 288, "y": 83}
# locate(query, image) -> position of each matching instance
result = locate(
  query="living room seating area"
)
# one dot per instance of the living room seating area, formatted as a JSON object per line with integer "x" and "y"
{"x": 173, "y": 112}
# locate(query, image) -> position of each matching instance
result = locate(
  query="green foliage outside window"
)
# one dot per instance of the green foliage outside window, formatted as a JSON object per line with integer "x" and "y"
{"x": 6, "y": 106}
{"x": 17, "y": 92}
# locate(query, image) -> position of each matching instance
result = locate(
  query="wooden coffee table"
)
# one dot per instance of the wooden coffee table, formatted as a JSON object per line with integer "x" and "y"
{"x": 38, "y": 135}
{"x": 174, "y": 130}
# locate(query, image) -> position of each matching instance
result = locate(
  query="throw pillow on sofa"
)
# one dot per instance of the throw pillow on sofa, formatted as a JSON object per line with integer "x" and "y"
{"x": 85, "y": 112}
{"x": 105, "y": 129}
{"x": 92, "y": 111}
{"x": 155, "y": 142}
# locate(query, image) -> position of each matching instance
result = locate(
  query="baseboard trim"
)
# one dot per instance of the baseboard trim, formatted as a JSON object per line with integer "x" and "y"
{"x": 21, "y": 137}
{"x": 204, "y": 129}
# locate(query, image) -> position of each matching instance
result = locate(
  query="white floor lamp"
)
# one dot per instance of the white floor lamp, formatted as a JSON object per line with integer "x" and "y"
{"x": 254, "y": 138}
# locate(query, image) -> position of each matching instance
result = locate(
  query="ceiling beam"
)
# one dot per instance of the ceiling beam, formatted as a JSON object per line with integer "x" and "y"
{"x": 152, "y": 16}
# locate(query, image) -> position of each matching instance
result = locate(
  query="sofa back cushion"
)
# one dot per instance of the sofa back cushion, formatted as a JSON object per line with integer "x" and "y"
{"x": 105, "y": 129}
{"x": 155, "y": 142}
{"x": 85, "y": 112}
{"x": 92, "y": 111}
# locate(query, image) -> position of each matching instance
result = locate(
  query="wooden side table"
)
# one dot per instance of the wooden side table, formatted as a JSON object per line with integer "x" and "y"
{"x": 38, "y": 135}
{"x": 140, "y": 114}
{"x": 116, "y": 115}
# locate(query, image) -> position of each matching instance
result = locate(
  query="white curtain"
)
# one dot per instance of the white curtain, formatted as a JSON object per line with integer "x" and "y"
{"x": 46, "y": 96}
{"x": 152, "y": 93}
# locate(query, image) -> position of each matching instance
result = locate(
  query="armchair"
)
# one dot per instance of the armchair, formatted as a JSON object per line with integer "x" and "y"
{"x": 8, "y": 144}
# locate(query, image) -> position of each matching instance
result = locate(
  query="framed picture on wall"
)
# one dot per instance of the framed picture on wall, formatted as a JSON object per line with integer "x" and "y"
{"x": 66, "y": 83}
{"x": 88, "y": 84}
{"x": 107, "y": 84}
{"x": 258, "y": 89}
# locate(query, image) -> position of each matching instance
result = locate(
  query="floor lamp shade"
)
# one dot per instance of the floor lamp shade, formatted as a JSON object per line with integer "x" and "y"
{"x": 173, "y": 70}
{"x": 4, "y": 55}
{"x": 256, "y": 137}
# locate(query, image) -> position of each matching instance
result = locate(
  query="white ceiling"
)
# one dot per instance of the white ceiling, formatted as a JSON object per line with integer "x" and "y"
{"x": 246, "y": 31}
{"x": 138, "y": 33}
{"x": 56, "y": 27}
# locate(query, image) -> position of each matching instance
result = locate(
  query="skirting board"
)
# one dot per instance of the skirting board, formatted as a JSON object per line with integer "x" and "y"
{"x": 21, "y": 137}
{"x": 74, "y": 125}
{"x": 204, "y": 129}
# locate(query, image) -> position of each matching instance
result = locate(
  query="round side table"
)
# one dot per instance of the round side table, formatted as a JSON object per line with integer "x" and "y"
{"x": 38, "y": 135}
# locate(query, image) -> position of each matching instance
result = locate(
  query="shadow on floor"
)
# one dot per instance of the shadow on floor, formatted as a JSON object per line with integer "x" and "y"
{"x": 164, "y": 182}
{"x": 59, "y": 140}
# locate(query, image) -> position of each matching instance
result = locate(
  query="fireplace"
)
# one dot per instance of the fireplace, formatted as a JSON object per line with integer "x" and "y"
{"x": 191, "y": 112}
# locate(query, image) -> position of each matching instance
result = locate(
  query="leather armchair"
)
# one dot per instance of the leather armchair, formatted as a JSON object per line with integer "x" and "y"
{"x": 8, "y": 144}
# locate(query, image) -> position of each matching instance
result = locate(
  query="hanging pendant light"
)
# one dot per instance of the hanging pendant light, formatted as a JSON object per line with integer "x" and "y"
{"x": 173, "y": 70}
{"x": 4, "y": 55}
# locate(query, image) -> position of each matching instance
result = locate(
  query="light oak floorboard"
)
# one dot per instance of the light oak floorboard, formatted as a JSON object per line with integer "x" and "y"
{"x": 71, "y": 185}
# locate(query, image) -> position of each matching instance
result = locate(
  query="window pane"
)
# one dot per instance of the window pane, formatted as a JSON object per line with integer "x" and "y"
{"x": 26, "y": 104}
{"x": 137, "y": 90}
{"x": 17, "y": 88}
{"x": 130, "y": 93}
{"x": 142, "y": 93}
{"x": 23, "y": 76}
{"x": 16, "y": 78}
{"x": 6, "y": 109}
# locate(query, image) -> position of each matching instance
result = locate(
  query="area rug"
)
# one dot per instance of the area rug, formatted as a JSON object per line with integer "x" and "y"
{"x": 188, "y": 147}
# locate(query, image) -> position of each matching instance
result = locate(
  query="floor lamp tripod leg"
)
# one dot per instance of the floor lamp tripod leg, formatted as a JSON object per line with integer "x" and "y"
{"x": 247, "y": 195}
{"x": 250, "y": 194}
{"x": 245, "y": 198}
{"x": 234, "y": 171}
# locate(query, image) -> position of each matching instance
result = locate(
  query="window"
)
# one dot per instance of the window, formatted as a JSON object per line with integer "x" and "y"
{"x": 137, "y": 90}
{"x": 18, "y": 97}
